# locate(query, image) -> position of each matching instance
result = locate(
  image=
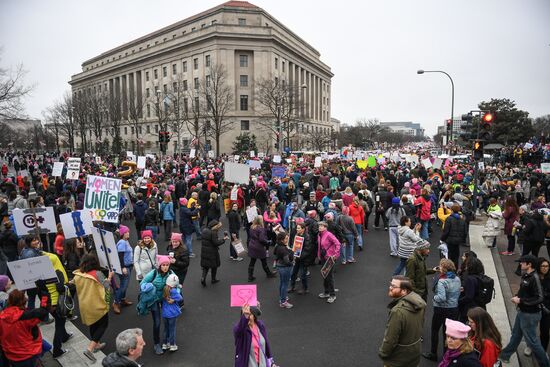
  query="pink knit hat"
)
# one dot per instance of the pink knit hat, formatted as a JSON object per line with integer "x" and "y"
{"x": 163, "y": 259}
{"x": 123, "y": 230}
{"x": 183, "y": 201}
{"x": 146, "y": 233}
{"x": 456, "y": 329}
{"x": 175, "y": 236}
{"x": 345, "y": 210}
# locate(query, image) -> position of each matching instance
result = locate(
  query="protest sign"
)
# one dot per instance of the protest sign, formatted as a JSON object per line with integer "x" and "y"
{"x": 76, "y": 224}
{"x": 102, "y": 198}
{"x": 261, "y": 154}
{"x": 254, "y": 164}
{"x": 146, "y": 173}
{"x": 192, "y": 153}
{"x": 276, "y": 159}
{"x": 318, "y": 162}
{"x": 371, "y": 161}
{"x": 141, "y": 162}
{"x": 252, "y": 154}
{"x": 150, "y": 156}
{"x": 239, "y": 247}
{"x": 251, "y": 213}
{"x": 234, "y": 194}
{"x": 27, "y": 271}
{"x": 236, "y": 173}
{"x": 244, "y": 295}
{"x": 278, "y": 171}
{"x": 437, "y": 163}
{"x": 362, "y": 164}
{"x": 106, "y": 249}
{"x": 42, "y": 221}
{"x": 211, "y": 154}
{"x": 73, "y": 168}
{"x": 298, "y": 245}
{"x": 98, "y": 160}
{"x": 545, "y": 167}
{"x": 329, "y": 264}
{"x": 236, "y": 158}
{"x": 381, "y": 160}
{"x": 427, "y": 163}
{"x": 57, "y": 170}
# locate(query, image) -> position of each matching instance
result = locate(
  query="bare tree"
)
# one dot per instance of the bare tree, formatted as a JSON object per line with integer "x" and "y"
{"x": 50, "y": 118}
{"x": 135, "y": 117}
{"x": 63, "y": 112}
{"x": 318, "y": 139}
{"x": 179, "y": 99}
{"x": 98, "y": 114}
{"x": 82, "y": 115}
{"x": 12, "y": 92}
{"x": 115, "y": 121}
{"x": 218, "y": 101}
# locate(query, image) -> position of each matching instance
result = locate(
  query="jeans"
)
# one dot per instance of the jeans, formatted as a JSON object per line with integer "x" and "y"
{"x": 284, "y": 277}
{"x": 169, "y": 330}
{"x": 154, "y": 230}
{"x": 525, "y": 326}
{"x": 394, "y": 240}
{"x": 299, "y": 267}
{"x": 424, "y": 230}
{"x": 197, "y": 228}
{"x": 124, "y": 281}
{"x": 347, "y": 251}
{"x": 360, "y": 237}
{"x": 155, "y": 313}
{"x": 400, "y": 266}
{"x": 438, "y": 321}
{"x": 188, "y": 239}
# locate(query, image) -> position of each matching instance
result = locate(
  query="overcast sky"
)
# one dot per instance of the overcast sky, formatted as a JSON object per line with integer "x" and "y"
{"x": 491, "y": 48}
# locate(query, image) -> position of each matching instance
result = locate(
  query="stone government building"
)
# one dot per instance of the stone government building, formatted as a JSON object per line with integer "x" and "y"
{"x": 247, "y": 41}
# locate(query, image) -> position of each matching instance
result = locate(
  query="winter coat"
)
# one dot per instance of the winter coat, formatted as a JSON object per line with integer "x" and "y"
{"x": 394, "y": 217}
{"x": 145, "y": 259}
{"x": 186, "y": 220}
{"x": 20, "y": 335}
{"x": 234, "y": 220}
{"x": 151, "y": 218}
{"x": 117, "y": 360}
{"x": 417, "y": 272}
{"x": 402, "y": 342}
{"x": 140, "y": 207}
{"x": 408, "y": 240}
{"x": 466, "y": 360}
{"x": 535, "y": 229}
{"x": 91, "y": 288}
{"x": 257, "y": 243}
{"x": 447, "y": 291}
{"x": 8, "y": 243}
{"x": 307, "y": 257}
{"x": 454, "y": 232}
{"x": 283, "y": 255}
{"x": 489, "y": 352}
{"x": 348, "y": 225}
{"x": 357, "y": 213}
{"x": 328, "y": 244}
{"x": 181, "y": 255}
{"x": 492, "y": 227}
{"x": 167, "y": 210}
{"x": 210, "y": 256}
{"x": 243, "y": 341}
{"x": 424, "y": 205}
{"x": 171, "y": 310}
{"x": 158, "y": 280}
{"x": 510, "y": 215}
{"x": 214, "y": 211}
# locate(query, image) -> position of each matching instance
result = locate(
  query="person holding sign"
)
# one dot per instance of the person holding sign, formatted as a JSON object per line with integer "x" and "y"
{"x": 284, "y": 258}
{"x": 125, "y": 255}
{"x": 329, "y": 246}
{"x": 251, "y": 344}
{"x": 302, "y": 261}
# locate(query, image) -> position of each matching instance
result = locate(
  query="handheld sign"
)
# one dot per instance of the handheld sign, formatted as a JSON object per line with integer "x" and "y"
{"x": 57, "y": 169}
{"x": 76, "y": 224}
{"x": 105, "y": 246}
{"x": 103, "y": 197}
{"x": 41, "y": 221}
{"x": 244, "y": 295}
{"x": 298, "y": 245}
{"x": 141, "y": 162}
{"x": 251, "y": 214}
{"x": 27, "y": 271}
{"x": 73, "y": 168}
{"x": 329, "y": 264}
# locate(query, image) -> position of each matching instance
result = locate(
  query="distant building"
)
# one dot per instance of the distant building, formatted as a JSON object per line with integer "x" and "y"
{"x": 458, "y": 127}
{"x": 21, "y": 124}
{"x": 405, "y": 128}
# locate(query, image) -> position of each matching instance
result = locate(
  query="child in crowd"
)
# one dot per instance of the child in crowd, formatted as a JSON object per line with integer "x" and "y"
{"x": 170, "y": 311}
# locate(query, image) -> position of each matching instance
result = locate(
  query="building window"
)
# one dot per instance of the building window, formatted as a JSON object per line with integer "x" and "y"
{"x": 196, "y": 83}
{"x": 244, "y": 102}
{"x": 276, "y": 63}
{"x": 147, "y": 76}
{"x": 174, "y": 69}
{"x": 147, "y": 93}
{"x": 242, "y": 21}
{"x": 185, "y": 85}
{"x": 207, "y": 61}
{"x": 193, "y": 29}
{"x": 185, "y": 105}
{"x": 196, "y": 104}
{"x": 244, "y": 80}
{"x": 283, "y": 66}
{"x": 208, "y": 80}
{"x": 148, "y": 114}
{"x": 184, "y": 67}
{"x": 195, "y": 64}
{"x": 140, "y": 132}
{"x": 203, "y": 25}
{"x": 165, "y": 88}
{"x": 148, "y": 129}
{"x": 243, "y": 61}
{"x": 156, "y": 128}
{"x": 174, "y": 86}
{"x": 276, "y": 81}
{"x": 164, "y": 72}
{"x": 245, "y": 125}
{"x": 132, "y": 130}
{"x": 125, "y": 130}
{"x": 156, "y": 72}
{"x": 214, "y": 21}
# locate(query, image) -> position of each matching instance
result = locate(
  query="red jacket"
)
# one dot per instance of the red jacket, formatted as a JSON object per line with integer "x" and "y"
{"x": 357, "y": 213}
{"x": 424, "y": 208}
{"x": 489, "y": 353}
{"x": 16, "y": 332}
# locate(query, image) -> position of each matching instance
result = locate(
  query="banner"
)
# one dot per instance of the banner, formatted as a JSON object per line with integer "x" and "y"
{"x": 103, "y": 197}
{"x": 73, "y": 168}
{"x": 27, "y": 223}
{"x": 278, "y": 171}
{"x": 57, "y": 170}
{"x": 27, "y": 271}
{"x": 76, "y": 224}
{"x": 106, "y": 248}
{"x": 254, "y": 164}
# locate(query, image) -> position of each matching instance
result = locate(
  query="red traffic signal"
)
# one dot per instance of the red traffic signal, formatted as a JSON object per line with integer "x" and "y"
{"x": 488, "y": 117}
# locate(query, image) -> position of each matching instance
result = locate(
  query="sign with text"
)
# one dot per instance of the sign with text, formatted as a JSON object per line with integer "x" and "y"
{"x": 545, "y": 167}
{"x": 298, "y": 245}
{"x": 27, "y": 271}
{"x": 57, "y": 170}
{"x": 73, "y": 168}
{"x": 103, "y": 197}
{"x": 278, "y": 171}
{"x": 141, "y": 162}
{"x": 41, "y": 221}
{"x": 236, "y": 173}
{"x": 106, "y": 249}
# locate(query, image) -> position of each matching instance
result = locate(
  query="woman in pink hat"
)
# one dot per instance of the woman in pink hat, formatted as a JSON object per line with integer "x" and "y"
{"x": 145, "y": 254}
{"x": 179, "y": 256}
{"x": 460, "y": 350}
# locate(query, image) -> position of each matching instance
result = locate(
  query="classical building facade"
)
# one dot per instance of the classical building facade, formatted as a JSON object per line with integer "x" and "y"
{"x": 251, "y": 46}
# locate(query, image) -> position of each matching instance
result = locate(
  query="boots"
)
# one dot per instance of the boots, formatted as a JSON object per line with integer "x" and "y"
{"x": 116, "y": 308}
{"x": 125, "y": 302}
{"x": 270, "y": 273}
{"x": 251, "y": 276}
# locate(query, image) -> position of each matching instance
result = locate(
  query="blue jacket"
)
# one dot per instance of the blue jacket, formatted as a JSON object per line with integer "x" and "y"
{"x": 447, "y": 291}
{"x": 186, "y": 220}
{"x": 147, "y": 298}
{"x": 167, "y": 210}
{"x": 171, "y": 310}
{"x": 139, "y": 210}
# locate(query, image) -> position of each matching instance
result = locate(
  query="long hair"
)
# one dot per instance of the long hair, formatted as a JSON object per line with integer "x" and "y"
{"x": 166, "y": 292}
{"x": 511, "y": 203}
{"x": 467, "y": 346}
{"x": 257, "y": 222}
{"x": 485, "y": 328}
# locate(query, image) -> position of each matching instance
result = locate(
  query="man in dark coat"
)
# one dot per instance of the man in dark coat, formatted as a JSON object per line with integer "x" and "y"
{"x": 210, "y": 256}
{"x": 454, "y": 233}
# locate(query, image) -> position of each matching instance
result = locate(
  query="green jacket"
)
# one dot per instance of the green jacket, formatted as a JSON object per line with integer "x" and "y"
{"x": 417, "y": 272}
{"x": 402, "y": 342}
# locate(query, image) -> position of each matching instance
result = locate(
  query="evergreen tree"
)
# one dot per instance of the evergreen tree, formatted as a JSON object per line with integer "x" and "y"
{"x": 244, "y": 143}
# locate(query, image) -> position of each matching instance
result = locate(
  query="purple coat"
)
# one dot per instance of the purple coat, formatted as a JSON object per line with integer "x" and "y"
{"x": 258, "y": 243}
{"x": 243, "y": 339}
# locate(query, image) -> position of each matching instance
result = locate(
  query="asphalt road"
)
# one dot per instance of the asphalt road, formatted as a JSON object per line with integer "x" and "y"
{"x": 345, "y": 333}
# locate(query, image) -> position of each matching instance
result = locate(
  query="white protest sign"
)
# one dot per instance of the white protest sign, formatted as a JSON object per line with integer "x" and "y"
{"x": 252, "y": 154}
{"x": 427, "y": 163}
{"x": 437, "y": 163}
{"x": 234, "y": 195}
{"x": 527, "y": 146}
{"x": 211, "y": 154}
{"x": 251, "y": 213}
{"x": 381, "y": 160}
{"x": 146, "y": 173}
{"x": 24, "y": 173}
{"x": 192, "y": 153}
{"x": 131, "y": 158}
{"x": 150, "y": 156}
{"x": 103, "y": 197}
{"x": 481, "y": 165}
{"x": 318, "y": 162}
{"x": 73, "y": 168}
{"x": 254, "y": 164}
{"x": 276, "y": 159}
{"x": 236, "y": 173}
{"x": 237, "y": 157}
{"x": 76, "y": 224}
{"x": 545, "y": 167}
{"x": 27, "y": 271}
{"x": 26, "y": 222}
{"x": 141, "y": 162}
{"x": 98, "y": 160}
{"x": 57, "y": 169}
{"x": 106, "y": 248}
{"x": 261, "y": 154}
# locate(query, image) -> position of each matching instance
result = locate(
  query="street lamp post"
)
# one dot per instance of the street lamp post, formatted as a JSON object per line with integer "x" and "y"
{"x": 450, "y": 127}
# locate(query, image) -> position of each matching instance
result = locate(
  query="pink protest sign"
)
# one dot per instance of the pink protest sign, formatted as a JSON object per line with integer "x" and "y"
{"x": 244, "y": 294}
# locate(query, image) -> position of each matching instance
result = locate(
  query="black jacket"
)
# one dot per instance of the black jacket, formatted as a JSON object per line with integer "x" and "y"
{"x": 151, "y": 217}
{"x": 118, "y": 360}
{"x": 210, "y": 256}
{"x": 466, "y": 360}
{"x": 535, "y": 229}
{"x": 8, "y": 244}
{"x": 454, "y": 232}
{"x": 234, "y": 220}
{"x": 530, "y": 293}
{"x": 181, "y": 255}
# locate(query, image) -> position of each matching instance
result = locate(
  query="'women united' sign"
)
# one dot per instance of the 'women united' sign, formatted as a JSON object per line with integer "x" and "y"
{"x": 102, "y": 198}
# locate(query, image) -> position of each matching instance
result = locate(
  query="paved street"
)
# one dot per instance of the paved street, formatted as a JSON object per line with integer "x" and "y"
{"x": 346, "y": 333}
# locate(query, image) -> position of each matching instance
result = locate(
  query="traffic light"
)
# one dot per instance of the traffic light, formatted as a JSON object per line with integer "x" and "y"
{"x": 486, "y": 124}
{"x": 468, "y": 117}
{"x": 478, "y": 150}
{"x": 487, "y": 118}
{"x": 164, "y": 137}
{"x": 449, "y": 125}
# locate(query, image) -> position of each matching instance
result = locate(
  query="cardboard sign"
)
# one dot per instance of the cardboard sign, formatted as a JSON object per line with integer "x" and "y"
{"x": 244, "y": 295}
{"x": 73, "y": 168}
{"x": 251, "y": 213}
{"x": 103, "y": 198}
{"x": 192, "y": 153}
{"x": 276, "y": 159}
{"x": 24, "y": 173}
{"x": 27, "y": 271}
{"x": 545, "y": 167}
{"x": 236, "y": 173}
{"x": 278, "y": 171}
{"x": 371, "y": 161}
{"x": 329, "y": 264}
{"x": 27, "y": 223}
{"x": 361, "y": 164}
{"x": 106, "y": 249}
{"x": 427, "y": 163}
{"x": 76, "y": 224}
{"x": 57, "y": 170}
{"x": 318, "y": 162}
{"x": 239, "y": 248}
{"x": 298, "y": 245}
{"x": 141, "y": 162}
{"x": 254, "y": 164}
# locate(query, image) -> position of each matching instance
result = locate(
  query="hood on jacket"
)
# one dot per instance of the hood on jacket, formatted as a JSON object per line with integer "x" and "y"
{"x": 412, "y": 302}
{"x": 213, "y": 223}
{"x": 402, "y": 229}
{"x": 11, "y": 314}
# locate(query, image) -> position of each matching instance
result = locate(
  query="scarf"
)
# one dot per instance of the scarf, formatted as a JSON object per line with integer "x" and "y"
{"x": 448, "y": 357}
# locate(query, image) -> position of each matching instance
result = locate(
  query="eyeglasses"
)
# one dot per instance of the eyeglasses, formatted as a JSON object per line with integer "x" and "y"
{"x": 393, "y": 286}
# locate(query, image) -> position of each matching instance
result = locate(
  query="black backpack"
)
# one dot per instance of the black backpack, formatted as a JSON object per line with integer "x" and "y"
{"x": 485, "y": 290}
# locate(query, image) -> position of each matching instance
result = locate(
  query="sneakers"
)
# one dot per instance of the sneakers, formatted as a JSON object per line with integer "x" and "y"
{"x": 331, "y": 299}
{"x": 99, "y": 347}
{"x": 165, "y": 346}
{"x": 236, "y": 258}
{"x": 173, "y": 348}
{"x": 527, "y": 351}
{"x": 303, "y": 291}
{"x": 158, "y": 349}
{"x": 192, "y": 255}
{"x": 63, "y": 352}
{"x": 507, "y": 253}
{"x": 324, "y": 295}
{"x": 352, "y": 260}
{"x": 285, "y": 304}
{"x": 69, "y": 337}
{"x": 344, "y": 262}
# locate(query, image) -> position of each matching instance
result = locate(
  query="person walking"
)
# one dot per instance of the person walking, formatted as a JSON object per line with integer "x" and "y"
{"x": 167, "y": 215}
{"x": 284, "y": 259}
{"x": 187, "y": 224}
{"x": 394, "y": 215}
{"x": 417, "y": 271}
{"x": 358, "y": 214}
{"x": 234, "y": 220}
{"x": 528, "y": 301}
{"x": 402, "y": 343}
{"x": 408, "y": 240}
{"x": 145, "y": 254}
{"x": 257, "y": 248}
{"x": 210, "y": 252}
{"x": 328, "y": 246}
{"x": 171, "y": 311}
{"x": 511, "y": 216}
{"x": 492, "y": 226}
{"x": 454, "y": 233}
{"x": 151, "y": 219}
{"x": 349, "y": 230}
{"x": 125, "y": 255}
{"x": 485, "y": 336}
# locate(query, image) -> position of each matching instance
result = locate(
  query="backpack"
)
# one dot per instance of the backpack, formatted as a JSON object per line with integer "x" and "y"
{"x": 485, "y": 290}
{"x": 65, "y": 303}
